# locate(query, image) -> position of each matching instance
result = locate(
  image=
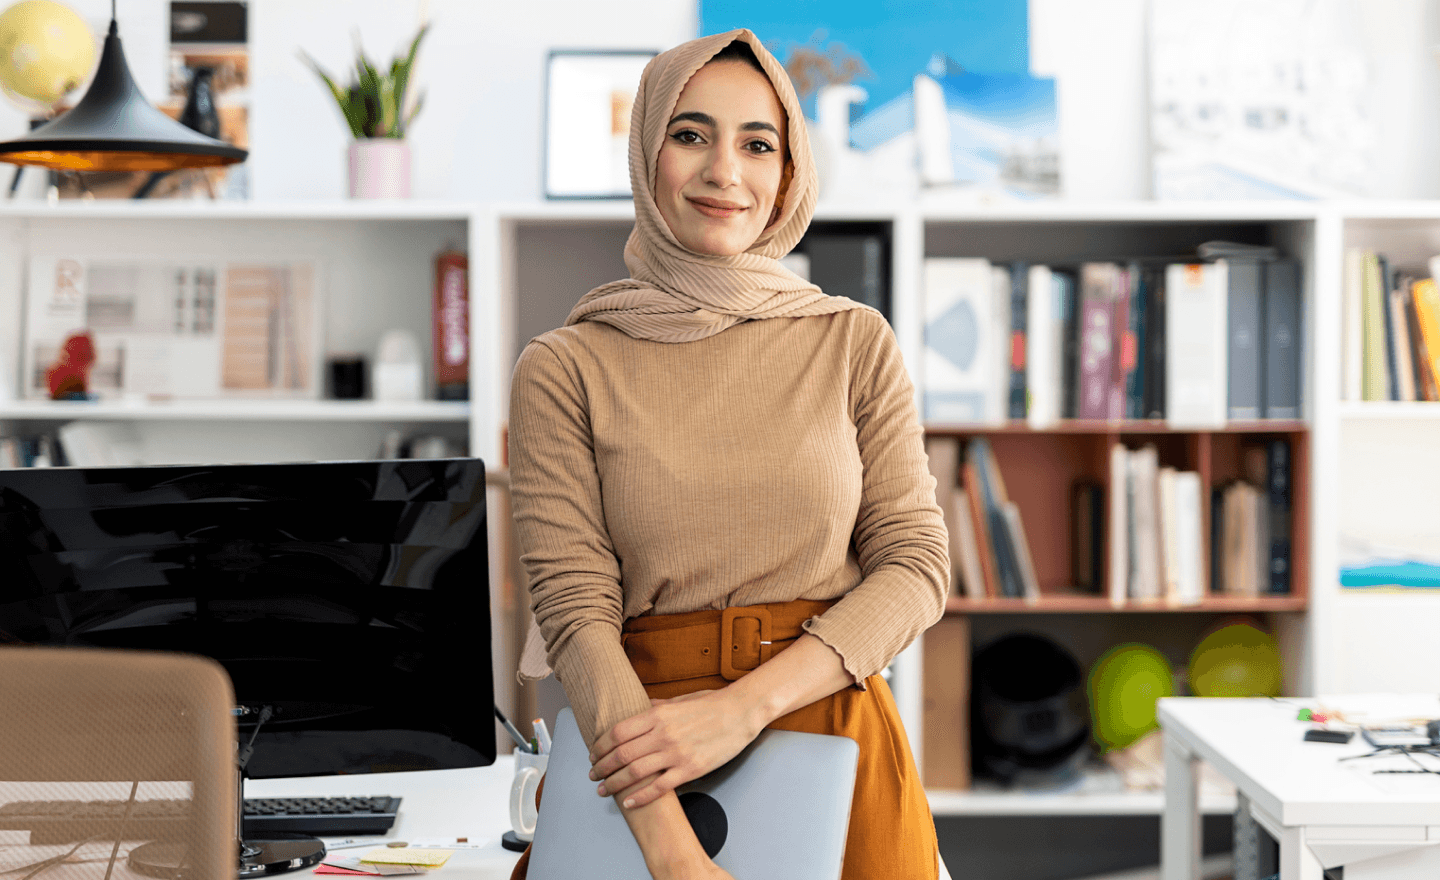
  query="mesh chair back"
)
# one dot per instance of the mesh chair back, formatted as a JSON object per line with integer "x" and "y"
{"x": 125, "y": 747}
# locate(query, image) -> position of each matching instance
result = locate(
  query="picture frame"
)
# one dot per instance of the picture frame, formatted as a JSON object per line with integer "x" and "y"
{"x": 588, "y": 99}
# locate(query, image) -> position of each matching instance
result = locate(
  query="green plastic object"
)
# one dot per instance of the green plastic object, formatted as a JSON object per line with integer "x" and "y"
{"x": 1237, "y": 660}
{"x": 1124, "y": 685}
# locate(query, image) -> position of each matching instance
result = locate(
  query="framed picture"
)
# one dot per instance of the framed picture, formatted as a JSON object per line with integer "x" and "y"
{"x": 588, "y": 99}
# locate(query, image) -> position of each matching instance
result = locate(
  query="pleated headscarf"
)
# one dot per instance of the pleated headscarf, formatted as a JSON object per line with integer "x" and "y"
{"x": 674, "y": 294}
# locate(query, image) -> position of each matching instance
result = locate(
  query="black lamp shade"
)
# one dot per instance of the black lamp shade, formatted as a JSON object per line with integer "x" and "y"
{"x": 114, "y": 128}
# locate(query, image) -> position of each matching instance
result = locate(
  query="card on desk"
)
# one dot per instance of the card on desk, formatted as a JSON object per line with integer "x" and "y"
{"x": 407, "y": 855}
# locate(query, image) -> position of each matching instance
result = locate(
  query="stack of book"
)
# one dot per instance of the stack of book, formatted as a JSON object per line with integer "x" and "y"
{"x": 1250, "y": 526}
{"x": 990, "y": 556}
{"x": 1391, "y": 329}
{"x": 1196, "y": 343}
{"x": 1156, "y": 538}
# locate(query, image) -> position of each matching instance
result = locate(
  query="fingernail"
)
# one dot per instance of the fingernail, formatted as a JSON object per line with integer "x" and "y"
{"x": 601, "y": 790}
{"x": 593, "y": 777}
{"x": 629, "y": 802}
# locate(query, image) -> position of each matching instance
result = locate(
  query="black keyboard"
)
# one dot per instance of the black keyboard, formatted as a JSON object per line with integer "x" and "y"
{"x": 67, "y": 821}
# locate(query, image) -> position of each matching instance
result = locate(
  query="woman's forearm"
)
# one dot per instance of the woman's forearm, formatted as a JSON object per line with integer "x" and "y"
{"x": 807, "y": 671}
{"x": 665, "y": 837}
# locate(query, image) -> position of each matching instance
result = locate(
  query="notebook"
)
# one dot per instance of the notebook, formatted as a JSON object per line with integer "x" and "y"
{"x": 781, "y": 808}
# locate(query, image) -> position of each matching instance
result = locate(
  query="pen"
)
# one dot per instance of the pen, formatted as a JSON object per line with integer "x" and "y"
{"x": 510, "y": 729}
{"x": 351, "y": 842}
{"x": 543, "y": 733}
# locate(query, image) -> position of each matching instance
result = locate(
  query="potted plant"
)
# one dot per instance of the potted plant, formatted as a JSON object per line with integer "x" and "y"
{"x": 374, "y": 106}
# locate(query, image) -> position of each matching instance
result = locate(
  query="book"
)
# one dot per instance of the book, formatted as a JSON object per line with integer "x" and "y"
{"x": 1374, "y": 384}
{"x": 1217, "y": 539}
{"x": 1195, "y": 344}
{"x": 1153, "y": 282}
{"x": 1278, "y": 465}
{"x": 1136, "y": 373}
{"x": 986, "y": 548}
{"x": 851, "y": 265}
{"x": 994, "y": 498}
{"x": 1392, "y": 375}
{"x": 1118, "y": 526}
{"x": 1066, "y": 285}
{"x": 1169, "y": 532}
{"x": 1099, "y": 286}
{"x": 1284, "y": 377}
{"x": 1352, "y": 333}
{"x": 1189, "y": 540}
{"x": 1401, "y": 351}
{"x": 1044, "y": 333}
{"x": 961, "y": 349}
{"x": 1087, "y": 540}
{"x": 1123, "y": 363}
{"x": 1255, "y": 466}
{"x": 1025, "y": 564}
{"x": 965, "y": 546}
{"x": 1241, "y": 524}
{"x": 1145, "y": 571}
{"x": 1427, "y": 387}
{"x": 1020, "y": 294}
{"x": 451, "y": 317}
{"x": 1245, "y": 362}
{"x": 943, "y": 455}
{"x": 1001, "y": 290}
{"x": 1427, "y": 314}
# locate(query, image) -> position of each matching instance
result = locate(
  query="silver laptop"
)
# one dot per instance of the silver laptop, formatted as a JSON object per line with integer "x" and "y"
{"x": 780, "y": 809}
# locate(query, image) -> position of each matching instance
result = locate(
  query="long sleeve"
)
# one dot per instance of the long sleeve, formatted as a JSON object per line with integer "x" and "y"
{"x": 567, "y": 552}
{"x": 900, "y": 536}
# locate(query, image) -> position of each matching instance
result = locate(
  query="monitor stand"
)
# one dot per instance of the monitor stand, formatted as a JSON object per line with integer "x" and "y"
{"x": 274, "y": 853}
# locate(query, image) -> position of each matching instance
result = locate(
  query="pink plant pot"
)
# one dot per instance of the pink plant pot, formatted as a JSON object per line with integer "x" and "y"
{"x": 380, "y": 169}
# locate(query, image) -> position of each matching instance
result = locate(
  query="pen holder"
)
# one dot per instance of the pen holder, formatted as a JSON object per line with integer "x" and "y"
{"x": 529, "y": 768}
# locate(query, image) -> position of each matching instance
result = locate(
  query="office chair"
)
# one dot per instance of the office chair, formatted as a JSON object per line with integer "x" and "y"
{"x": 91, "y": 725}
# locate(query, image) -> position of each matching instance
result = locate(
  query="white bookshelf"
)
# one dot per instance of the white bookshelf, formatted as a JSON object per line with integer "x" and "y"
{"x": 418, "y": 412}
{"x": 1390, "y": 411}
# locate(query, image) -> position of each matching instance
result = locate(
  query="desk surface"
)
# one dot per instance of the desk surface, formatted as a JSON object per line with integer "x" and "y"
{"x": 437, "y": 806}
{"x": 1259, "y": 745}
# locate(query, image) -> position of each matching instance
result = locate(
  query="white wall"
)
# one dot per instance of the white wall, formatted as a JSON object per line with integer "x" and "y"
{"x": 479, "y": 136}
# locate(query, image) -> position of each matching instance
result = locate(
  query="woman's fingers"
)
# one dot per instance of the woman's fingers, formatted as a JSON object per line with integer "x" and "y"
{"x": 629, "y": 775}
{"x": 647, "y": 790}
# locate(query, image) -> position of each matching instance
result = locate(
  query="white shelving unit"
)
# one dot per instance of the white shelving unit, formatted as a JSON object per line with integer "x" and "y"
{"x": 240, "y": 411}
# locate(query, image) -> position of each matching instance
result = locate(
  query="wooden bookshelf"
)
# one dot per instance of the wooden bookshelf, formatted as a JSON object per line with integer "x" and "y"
{"x": 1088, "y": 603}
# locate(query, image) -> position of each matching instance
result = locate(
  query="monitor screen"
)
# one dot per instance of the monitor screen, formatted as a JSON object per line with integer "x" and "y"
{"x": 350, "y": 598}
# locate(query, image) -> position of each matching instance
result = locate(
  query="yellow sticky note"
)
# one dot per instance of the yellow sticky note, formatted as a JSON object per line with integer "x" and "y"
{"x": 407, "y": 855}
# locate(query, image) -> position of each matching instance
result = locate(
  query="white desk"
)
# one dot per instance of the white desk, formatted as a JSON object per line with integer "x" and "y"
{"x": 1323, "y": 812}
{"x": 436, "y": 806}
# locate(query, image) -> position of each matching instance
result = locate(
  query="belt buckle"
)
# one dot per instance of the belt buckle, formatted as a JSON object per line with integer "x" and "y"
{"x": 728, "y": 645}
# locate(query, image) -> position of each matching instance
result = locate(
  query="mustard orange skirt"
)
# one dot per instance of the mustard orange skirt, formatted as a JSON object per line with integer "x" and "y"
{"x": 892, "y": 834}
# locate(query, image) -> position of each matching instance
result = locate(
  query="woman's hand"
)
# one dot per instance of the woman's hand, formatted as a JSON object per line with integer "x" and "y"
{"x": 680, "y": 740}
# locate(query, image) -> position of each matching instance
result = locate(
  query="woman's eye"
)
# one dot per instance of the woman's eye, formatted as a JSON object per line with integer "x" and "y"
{"x": 760, "y": 147}
{"x": 686, "y": 136}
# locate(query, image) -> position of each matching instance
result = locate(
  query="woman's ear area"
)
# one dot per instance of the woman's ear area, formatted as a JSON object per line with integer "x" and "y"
{"x": 785, "y": 177}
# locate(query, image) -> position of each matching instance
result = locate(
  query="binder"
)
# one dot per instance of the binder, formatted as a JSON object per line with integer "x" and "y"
{"x": 1283, "y": 340}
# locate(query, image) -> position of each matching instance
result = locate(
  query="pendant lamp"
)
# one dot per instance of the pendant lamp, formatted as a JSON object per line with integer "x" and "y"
{"x": 114, "y": 128}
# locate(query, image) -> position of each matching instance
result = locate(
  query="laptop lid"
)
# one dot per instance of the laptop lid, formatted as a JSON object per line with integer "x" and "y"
{"x": 780, "y": 808}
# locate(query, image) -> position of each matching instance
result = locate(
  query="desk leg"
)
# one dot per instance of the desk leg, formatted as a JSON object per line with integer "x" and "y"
{"x": 1180, "y": 821}
{"x": 1297, "y": 862}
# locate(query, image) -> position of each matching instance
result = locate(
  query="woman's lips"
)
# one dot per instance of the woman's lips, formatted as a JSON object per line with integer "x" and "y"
{"x": 717, "y": 209}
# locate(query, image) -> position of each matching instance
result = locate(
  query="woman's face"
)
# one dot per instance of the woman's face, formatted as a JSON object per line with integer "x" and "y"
{"x": 722, "y": 159}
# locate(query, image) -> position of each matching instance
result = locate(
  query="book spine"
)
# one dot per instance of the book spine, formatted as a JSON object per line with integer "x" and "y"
{"x": 1154, "y": 407}
{"x": 1353, "y": 348}
{"x": 1124, "y": 346}
{"x": 1118, "y": 526}
{"x": 873, "y": 290}
{"x": 1278, "y": 453}
{"x": 1373, "y": 377}
{"x": 974, "y": 493}
{"x": 1069, "y": 342}
{"x": 452, "y": 326}
{"x": 1195, "y": 344}
{"x": 1404, "y": 357}
{"x": 1042, "y": 355}
{"x": 1392, "y": 376}
{"x": 1426, "y": 385}
{"x": 1217, "y": 540}
{"x": 1097, "y": 339}
{"x": 1019, "y": 316}
{"x": 1137, "y": 374}
{"x": 1244, "y": 311}
{"x": 1427, "y": 314}
{"x": 1282, "y": 340}
{"x": 956, "y": 369}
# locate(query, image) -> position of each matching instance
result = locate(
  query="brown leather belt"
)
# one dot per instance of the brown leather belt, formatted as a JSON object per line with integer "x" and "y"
{"x": 728, "y": 643}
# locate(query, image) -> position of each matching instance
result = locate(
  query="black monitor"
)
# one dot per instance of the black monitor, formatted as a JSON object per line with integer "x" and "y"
{"x": 350, "y": 598}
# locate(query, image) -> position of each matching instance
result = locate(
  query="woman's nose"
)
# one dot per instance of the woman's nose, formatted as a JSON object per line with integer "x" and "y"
{"x": 723, "y": 167}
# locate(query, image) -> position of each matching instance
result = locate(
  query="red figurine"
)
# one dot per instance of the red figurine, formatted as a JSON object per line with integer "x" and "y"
{"x": 69, "y": 378}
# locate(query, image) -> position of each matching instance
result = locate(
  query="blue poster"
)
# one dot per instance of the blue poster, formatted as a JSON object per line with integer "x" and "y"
{"x": 905, "y": 95}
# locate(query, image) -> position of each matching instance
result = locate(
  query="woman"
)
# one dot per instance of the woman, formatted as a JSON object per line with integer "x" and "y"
{"x": 720, "y": 488}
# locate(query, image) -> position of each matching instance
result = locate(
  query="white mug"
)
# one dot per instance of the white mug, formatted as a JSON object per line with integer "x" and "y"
{"x": 529, "y": 767}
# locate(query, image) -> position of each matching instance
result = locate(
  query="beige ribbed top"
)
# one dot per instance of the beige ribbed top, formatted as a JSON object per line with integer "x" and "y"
{"x": 780, "y": 459}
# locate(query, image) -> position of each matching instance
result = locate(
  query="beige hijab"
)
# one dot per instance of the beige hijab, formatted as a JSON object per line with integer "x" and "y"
{"x": 677, "y": 295}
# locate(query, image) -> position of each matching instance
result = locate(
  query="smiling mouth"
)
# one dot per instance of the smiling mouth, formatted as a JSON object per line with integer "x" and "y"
{"x": 718, "y": 210}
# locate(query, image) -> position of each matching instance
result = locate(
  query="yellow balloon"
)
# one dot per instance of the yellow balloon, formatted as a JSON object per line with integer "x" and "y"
{"x": 1237, "y": 660}
{"x": 46, "y": 51}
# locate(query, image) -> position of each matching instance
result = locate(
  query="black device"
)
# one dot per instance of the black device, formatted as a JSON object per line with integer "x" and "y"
{"x": 348, "y": 601}
{"x": 1340, "y": 737}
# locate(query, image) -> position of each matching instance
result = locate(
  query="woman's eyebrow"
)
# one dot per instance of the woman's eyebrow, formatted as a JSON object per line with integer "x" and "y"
{"x": 707, "y": 119}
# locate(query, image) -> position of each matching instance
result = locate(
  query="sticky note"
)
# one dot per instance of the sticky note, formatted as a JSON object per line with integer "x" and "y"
{"x": 409, "y": 855}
